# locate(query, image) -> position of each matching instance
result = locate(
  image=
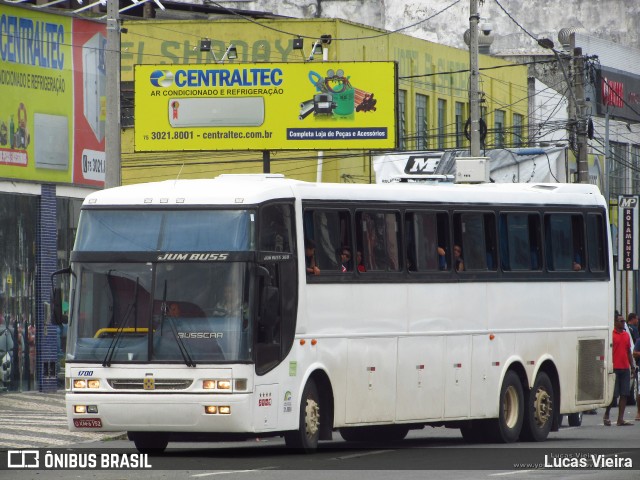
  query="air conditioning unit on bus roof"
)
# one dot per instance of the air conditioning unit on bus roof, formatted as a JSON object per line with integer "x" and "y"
{"x": 472, "y": 170}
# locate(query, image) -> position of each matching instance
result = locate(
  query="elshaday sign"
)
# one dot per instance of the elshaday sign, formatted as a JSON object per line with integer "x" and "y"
{"x": 265, "y": 106}
{"x": 628, "y": 207}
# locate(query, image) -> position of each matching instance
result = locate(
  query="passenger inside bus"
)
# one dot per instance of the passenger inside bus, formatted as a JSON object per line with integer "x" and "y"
{"x": 310, "y": 257}
{"x": 346, "y": 264}
{"x": 458, "y": 260}
{"x": 229, "y": 304}
{"x": 359, "y": 262}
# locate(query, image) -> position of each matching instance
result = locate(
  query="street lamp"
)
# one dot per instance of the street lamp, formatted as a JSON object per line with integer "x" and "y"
{"x": 317, "y": 49}
{"x": 231, "y": 53}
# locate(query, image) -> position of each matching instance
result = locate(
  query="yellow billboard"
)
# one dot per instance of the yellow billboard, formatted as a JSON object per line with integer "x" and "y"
{"x": 265, "y": 106}
{"x": 52, "y": 97}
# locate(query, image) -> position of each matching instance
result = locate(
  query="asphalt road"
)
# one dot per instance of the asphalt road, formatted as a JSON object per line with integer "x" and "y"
{"x": 427, "y": 453}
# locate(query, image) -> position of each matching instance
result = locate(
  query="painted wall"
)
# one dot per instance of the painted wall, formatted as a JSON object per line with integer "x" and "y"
{"x": 615, "y": 20}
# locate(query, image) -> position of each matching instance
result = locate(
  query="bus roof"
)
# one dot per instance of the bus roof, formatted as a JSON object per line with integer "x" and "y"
{"x": 238, "y": 190}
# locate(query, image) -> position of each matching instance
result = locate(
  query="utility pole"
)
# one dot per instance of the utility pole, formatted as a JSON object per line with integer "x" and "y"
{"x": 112, "y": 128}
{"x": 581, "y": 117}
{"x": 474, "y": 100}
{"x": 325, "y": 58}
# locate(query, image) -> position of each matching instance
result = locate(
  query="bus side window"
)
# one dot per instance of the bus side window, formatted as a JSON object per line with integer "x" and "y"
{"x": 475, "y": 232}
{"x": 331, "y": 231}
{"x": 596, "y": 242}
{"x": 520, "y": 241}
{"x": 379, "y": 236}
{"x": 427, "y": 241}
{"x": 276, "y": 228}
{"x": 564, "y": 234}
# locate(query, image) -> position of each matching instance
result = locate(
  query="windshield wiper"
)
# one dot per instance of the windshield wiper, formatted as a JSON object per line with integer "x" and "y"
{"x": 132, "y": 307}
{"x": 181, "y": 346}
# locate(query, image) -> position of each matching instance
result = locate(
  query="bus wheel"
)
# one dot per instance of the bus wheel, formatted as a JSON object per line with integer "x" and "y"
{"x": 507, "y": 427}
{"x": 539, "y": 410}
{"x": 149, "y": 442}
{"x": 307, "y": 436}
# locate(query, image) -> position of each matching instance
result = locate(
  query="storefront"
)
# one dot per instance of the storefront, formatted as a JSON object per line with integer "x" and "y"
{"x": 37, "y": 229}
{"x": 52, "y": 118}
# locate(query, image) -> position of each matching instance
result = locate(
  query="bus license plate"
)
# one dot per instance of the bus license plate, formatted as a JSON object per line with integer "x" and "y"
{"x": 87, "y": 423}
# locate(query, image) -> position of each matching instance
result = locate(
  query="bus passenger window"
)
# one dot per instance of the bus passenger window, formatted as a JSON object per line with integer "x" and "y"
{"x": 564, "y": 242}
{"x": 475, "y": 234}
{"x": 520, "y": 241}
{"x": 596, "y": 242}
{"x": 331, "y": 232}
{"x": 378, "y": 240}
{"x": 427, "y": 242}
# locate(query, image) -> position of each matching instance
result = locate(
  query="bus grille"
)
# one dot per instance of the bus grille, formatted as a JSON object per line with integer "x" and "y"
{"x": 159, "y": 383}
{"x": 591, "y": 370}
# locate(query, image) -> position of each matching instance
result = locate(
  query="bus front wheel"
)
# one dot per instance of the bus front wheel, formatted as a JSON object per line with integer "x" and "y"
{"x": 539, "y": 410}
{"x": 507, "y": 427}
{"x": 306, "y": 437}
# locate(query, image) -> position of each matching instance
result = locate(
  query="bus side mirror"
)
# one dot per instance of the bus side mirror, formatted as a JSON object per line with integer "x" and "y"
{"x": 270, "y": 306}
{"x": 57, "y": 317}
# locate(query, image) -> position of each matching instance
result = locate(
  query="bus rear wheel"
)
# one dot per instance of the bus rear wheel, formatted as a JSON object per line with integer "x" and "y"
{"x": 507, "y": 427}
{"x": 149, "y": 442}
{"x": 306, "y": 437}
{"x": 539, "y": 411}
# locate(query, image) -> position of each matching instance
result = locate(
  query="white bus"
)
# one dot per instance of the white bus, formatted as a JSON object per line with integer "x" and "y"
{"x": 192, "y": 315}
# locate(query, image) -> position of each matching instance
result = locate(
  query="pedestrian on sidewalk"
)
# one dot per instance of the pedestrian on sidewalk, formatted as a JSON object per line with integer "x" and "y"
{"x": 622, "y": 364}
{"x": 636, "y": 356}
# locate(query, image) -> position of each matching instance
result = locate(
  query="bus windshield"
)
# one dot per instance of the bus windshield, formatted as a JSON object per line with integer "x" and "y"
{"x": 164, "y": 230}
{"x": 166, "y": 312}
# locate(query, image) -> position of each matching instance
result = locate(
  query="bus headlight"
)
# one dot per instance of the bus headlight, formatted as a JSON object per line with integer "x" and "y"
{"x": 209, "y": 384}
{"x": 220, "y": 384}
{"x": 217, "y": 410}
{"x": 224, "y": 384}
{"x": 79, "y": 383}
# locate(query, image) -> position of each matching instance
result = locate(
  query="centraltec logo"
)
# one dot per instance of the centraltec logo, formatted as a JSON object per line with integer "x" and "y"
{"x": 161, "y": 78}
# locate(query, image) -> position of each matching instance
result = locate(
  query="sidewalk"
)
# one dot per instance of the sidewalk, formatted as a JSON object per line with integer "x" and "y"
{"x": 38, "y": 420}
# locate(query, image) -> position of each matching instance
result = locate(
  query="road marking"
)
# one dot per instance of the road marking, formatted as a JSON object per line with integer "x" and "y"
{"x": 209, "y": 474}
{"x": 503, "y": 474}
{"x": 356, "y": 455}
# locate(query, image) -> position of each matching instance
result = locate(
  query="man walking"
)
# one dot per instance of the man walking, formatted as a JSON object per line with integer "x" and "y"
{"x": 636, "y": 356}
{"x": 622, "y": 362}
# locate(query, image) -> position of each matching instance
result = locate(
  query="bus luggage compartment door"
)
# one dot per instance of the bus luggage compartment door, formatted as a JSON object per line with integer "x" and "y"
{"x": 371, "y": 388}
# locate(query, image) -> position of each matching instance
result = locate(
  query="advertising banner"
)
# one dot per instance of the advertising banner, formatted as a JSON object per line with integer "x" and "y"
{"x": 266, "y": 106}
{"x": 628, "y": 224}
{"x": 619, "y": 94}
{"x": 51, "y": 98}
